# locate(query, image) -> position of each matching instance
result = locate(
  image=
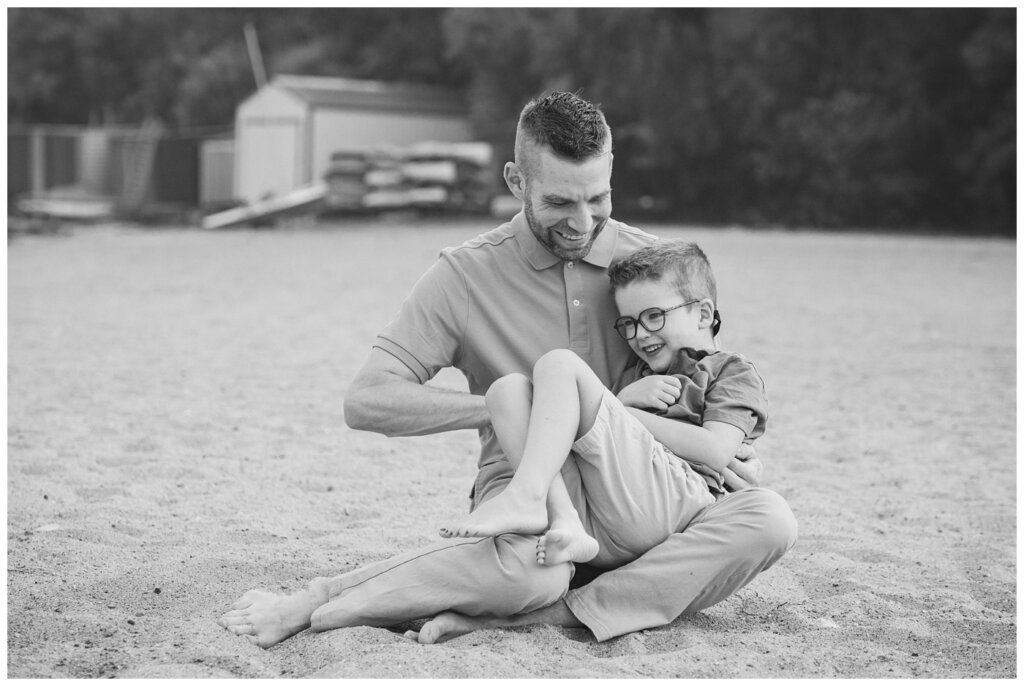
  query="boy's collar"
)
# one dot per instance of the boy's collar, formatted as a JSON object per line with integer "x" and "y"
{"x": 683, "y": 362}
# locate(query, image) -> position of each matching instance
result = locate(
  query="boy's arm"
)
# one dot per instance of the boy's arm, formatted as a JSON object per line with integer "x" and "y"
{"x": 714, "y": 444}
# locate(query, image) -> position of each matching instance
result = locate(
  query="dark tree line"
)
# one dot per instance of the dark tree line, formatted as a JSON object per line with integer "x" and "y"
{"x": 867, "y": 117}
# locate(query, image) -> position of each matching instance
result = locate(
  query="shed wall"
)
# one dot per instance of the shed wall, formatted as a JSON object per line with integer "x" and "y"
{"x": 269, "y": 148}
{"x": 216, "y": 172}
{"x": 268, "y": 157}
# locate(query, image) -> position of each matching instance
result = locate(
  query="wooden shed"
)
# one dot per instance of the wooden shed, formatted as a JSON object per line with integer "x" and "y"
{"x": 286, "y": 132}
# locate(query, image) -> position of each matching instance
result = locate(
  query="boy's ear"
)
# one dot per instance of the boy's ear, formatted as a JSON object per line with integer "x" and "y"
{"x": 515, "y": 180}
{"x": 707, "y": 313}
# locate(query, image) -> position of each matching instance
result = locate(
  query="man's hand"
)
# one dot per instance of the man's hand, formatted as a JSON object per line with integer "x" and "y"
{"x": 745, "y": 470}
{"x": 655, "y": 392}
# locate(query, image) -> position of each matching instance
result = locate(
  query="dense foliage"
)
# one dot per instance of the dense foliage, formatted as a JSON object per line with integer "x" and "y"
{"x": 864, "y": 117}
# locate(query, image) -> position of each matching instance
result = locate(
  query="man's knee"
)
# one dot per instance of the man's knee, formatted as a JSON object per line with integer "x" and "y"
{"x": 525, "y": 585}
{"x": 773, "y": 528}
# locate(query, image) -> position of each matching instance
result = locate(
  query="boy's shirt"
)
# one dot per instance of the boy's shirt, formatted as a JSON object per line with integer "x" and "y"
{"x": 717, "y": 386}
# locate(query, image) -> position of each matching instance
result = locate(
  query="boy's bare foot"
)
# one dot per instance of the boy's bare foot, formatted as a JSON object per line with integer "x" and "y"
{"x": 266, "y": 618}
{"x": 566, "y": 545}
{"x": 505, "y": 513}
{"x": 448, "y": 625}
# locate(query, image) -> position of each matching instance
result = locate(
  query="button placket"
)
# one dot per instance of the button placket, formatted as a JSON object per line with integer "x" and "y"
{"x": 578, "y": 328}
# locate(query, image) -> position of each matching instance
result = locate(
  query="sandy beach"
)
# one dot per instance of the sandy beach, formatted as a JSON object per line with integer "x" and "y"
{"x": 175, "y": 438}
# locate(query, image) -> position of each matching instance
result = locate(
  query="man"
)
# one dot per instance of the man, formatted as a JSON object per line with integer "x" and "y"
{"x": 492, "y": 307}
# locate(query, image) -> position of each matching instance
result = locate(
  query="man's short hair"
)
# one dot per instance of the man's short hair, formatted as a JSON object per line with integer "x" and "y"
{"x": 572, "y": 127}
{"x": 683, "y": 264}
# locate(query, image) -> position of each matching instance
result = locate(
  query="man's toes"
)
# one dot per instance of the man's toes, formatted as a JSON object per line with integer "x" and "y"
{"x": 428, "y": 634}
{"x": 412, "y": 635}
{"x": 235, "y": 613}
{"x": 245, "y": 601}
{"x": 233, "y": 618}
{"x": 241, "y": 629}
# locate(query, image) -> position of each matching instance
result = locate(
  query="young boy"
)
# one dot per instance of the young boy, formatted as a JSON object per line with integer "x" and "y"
{"x": 684, "y": 407}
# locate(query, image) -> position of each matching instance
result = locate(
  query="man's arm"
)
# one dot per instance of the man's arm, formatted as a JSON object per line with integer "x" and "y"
{"x": 386, "y": 397}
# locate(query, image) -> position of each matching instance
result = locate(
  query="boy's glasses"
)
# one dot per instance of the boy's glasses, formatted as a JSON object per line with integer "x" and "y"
{"x": 652, "y": 319}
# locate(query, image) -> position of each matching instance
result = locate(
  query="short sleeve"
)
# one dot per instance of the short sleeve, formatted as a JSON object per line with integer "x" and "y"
{"x": 737, "y": 397}
{"x": 427, "y": 333}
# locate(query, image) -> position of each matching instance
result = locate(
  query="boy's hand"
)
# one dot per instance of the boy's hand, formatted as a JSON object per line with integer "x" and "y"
{"x": 655, "y": 392}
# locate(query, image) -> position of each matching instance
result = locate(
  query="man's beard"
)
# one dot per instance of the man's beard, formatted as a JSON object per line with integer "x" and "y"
{"x": 543, "y": 235}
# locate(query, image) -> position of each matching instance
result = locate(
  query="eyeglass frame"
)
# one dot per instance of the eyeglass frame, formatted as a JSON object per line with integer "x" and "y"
{"x": 638, "y": 321}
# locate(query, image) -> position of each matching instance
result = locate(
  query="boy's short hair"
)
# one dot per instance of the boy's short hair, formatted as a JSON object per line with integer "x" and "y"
{"x": 572, "y": 127}
{"x": 682, "y": 263}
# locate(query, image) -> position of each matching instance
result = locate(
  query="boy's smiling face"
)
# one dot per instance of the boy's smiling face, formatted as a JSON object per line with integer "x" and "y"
{"x": 682, "y": 327}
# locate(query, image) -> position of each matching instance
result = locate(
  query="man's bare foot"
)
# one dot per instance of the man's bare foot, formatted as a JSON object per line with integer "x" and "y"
{"x": 266, "y": 618}
{"x": 505, "y": 513}
{"x": 448, "y": 625}
{"x": 571, "y": 544}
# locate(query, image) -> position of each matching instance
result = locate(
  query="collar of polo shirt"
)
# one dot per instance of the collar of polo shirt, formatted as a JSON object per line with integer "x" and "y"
{"x": 600, "y": 254}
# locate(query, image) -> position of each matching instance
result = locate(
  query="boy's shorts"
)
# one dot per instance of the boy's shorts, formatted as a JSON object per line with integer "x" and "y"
{"x": 630, "y": 490}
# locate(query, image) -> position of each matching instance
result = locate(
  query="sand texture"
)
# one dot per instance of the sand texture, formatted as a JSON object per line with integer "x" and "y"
{"x": 175, "y": 437}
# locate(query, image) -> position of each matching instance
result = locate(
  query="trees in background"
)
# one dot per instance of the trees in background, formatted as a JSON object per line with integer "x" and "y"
{"x": 865, "y": 117}
{"x": 190, "y": 67}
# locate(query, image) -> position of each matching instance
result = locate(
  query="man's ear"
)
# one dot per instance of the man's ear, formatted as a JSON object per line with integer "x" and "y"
{"x": 515, "y": 180}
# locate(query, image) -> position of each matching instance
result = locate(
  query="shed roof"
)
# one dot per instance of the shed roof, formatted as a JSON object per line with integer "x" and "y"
{"x": 329, "y": 91}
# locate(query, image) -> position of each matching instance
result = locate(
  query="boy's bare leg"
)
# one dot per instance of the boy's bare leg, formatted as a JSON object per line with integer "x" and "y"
{"x": 266, "y": 618}
{"x": 510, "y": 401}
{"x": 566, "y": 540}
{"x": 449, "y": 625}
{"x": 566, "y": 397}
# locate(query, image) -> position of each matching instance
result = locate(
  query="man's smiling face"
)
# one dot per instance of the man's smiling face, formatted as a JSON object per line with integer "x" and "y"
{"x": 567, "y": 203}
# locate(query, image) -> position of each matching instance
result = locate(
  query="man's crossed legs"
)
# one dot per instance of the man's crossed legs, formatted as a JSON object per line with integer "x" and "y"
{"x": 497, "y": 582}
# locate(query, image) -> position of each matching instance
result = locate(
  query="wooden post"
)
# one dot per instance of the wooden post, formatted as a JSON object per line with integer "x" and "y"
{"x": 37, "y": 159}
{"x": 252, "y": 41}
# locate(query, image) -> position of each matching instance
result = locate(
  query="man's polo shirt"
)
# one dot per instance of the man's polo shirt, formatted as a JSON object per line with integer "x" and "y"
{"x": 493, "y": 305}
